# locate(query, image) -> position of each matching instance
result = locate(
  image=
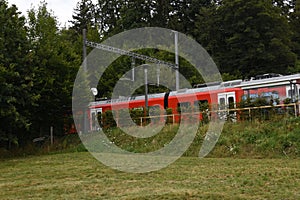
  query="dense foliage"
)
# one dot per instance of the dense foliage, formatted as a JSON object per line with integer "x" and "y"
{"x": 39, "y": 59}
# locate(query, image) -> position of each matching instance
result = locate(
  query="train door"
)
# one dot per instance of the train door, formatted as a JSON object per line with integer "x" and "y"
{"x": 293, "y": 93}
{"x": 95, "y": 122}
{"x": 226, "y": 101}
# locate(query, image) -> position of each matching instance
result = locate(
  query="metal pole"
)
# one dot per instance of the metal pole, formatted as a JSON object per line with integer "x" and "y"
{"x": 51, "y": 135}
{"x": 176, "y": 60}
{"x": 291, "y": 86}
{"x": 84, "y": 50}
{"x": 158, "y": 74}
{"x": 146, "y": 86}
{"x": 85, "y": 123}
{"x": 132, "y": 65}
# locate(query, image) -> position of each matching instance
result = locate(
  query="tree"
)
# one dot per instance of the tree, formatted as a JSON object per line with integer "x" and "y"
{"x": 204, "y": 30}
{"x": 15, "y": 76}
{"x": 134, "y": 14}
{"x": 55, "y": 64}
{"x": 252, "y": 37}
{"x": 84, "y": 16}
{"x": 284, "y": 5}
{"x": 295, "y": 26}
{"x": 108, "y": 13}
{"x": 183, "y": 14}
{"x": 161, "y": 13}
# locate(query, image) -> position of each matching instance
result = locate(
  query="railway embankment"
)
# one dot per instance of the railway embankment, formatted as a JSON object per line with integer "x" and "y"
{"x": 273, "y": 138}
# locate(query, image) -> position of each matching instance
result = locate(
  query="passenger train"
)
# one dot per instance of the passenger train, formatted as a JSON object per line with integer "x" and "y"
{"x": 223, "y": 95}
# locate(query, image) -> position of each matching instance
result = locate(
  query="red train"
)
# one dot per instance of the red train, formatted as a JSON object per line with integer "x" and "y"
{"x": 221, "y": 95}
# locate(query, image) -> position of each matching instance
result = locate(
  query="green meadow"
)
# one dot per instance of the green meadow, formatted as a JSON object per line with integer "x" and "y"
{"x": 251, "y": 160}
{"x": 80, "y": 176}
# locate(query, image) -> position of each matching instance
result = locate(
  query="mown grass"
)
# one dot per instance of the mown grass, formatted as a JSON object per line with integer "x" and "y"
{"x": 252, "y": 160}
{"x": 80, "y": 176}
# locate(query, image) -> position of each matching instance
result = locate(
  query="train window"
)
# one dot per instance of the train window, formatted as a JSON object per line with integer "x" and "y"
{"x": 290, "y": 93}
{"x": 202, "y": 105}
{"x": 244, "y": 97}
{"x": 99, "y": 118}
{"x": 249, "y": 96}
{"x": 274, "y": 95}
{"x": 154, "y": 110}
{"x": 184, "y": 104}
{"x": 184, "y": 107}
{"x": 222, "y": 103}
{"x": 94, "y": 121}
{"x": 231, "y": 102}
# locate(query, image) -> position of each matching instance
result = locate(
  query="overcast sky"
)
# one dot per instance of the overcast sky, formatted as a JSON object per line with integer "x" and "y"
{"x": 63, "y": 9}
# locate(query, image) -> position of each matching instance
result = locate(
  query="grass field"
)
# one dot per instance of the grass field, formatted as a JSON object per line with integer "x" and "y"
{"x": 80, "y": 176}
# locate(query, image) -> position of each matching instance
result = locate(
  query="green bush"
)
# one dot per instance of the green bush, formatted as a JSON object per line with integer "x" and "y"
{"x": 169, "y": 111}
{"x": 108, "y": 120}
{"x": 137, "y": 114}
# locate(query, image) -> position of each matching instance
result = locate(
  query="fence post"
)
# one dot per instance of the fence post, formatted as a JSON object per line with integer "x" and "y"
{"x": 250, "y": 113}
{"x": 51, "y": 135}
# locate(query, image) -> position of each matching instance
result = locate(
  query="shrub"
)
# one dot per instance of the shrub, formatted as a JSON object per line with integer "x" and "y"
{"x": 108, "y": 120}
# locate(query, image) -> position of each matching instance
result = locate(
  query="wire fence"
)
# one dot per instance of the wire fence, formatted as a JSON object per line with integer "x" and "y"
{"x": 234, "y": 115}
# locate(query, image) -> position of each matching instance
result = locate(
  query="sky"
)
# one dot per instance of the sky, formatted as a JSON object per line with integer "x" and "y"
{"x": 63, "y": 9}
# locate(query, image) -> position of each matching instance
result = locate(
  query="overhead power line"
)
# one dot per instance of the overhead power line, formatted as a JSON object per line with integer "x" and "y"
{"x": 129, "y": 53}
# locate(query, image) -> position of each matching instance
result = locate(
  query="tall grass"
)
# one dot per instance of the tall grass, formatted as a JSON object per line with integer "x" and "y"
{"x": 279, "y": 137}
{"x": 268, "y": 139}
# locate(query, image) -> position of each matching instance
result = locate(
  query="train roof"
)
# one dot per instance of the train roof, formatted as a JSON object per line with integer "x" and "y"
{"x": 270, "y": 82}
{"x": 127, "y": 99}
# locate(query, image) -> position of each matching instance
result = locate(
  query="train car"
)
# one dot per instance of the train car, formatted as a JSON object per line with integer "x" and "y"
{"x": 182, "y": 101}
{"x": 273, "y": 87}
{"x": 218, "y": 96}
